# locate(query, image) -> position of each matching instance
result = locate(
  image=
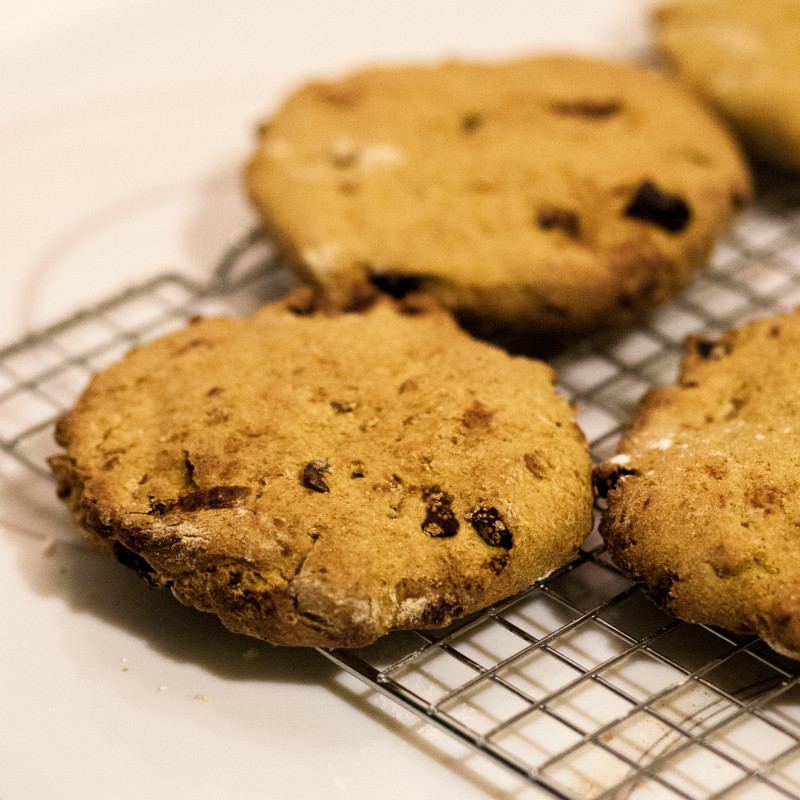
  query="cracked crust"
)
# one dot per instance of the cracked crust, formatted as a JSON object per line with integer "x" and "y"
{"x": 320, "y": 478}
{"x": 742, "y": 58}
{"x": 551, "y": 193}
{"x": 704, "y": 496}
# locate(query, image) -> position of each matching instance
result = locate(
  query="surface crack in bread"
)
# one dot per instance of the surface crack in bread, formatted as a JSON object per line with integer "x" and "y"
{"x": 704, "y": 495}
{"x": 324, "y": 477}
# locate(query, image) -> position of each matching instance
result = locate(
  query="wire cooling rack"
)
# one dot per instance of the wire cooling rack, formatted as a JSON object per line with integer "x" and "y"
{"x": 580, "y": 685}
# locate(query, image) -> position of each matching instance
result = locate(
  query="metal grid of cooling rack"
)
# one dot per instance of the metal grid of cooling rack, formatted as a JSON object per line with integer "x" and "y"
{"x": 580, "y": 685}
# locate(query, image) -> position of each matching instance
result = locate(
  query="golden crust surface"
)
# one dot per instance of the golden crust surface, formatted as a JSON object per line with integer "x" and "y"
{"x": 321, "y": 479}
{"x": 743, "y": 57}
{"x": 549, "y": 193}
{"x": 704, "y": 495}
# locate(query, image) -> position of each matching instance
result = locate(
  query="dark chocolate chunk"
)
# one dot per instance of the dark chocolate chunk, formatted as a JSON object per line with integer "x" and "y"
{"x": 590, "y": 108}
{"x": 313, "y": 475}
{"x": 667, "y": 211}
{"x": 561, "y": 219}
{"x": 439, "y": 517}
{"x": 490, "y": 526}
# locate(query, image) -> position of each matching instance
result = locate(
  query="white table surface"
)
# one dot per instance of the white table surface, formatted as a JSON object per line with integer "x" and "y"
{"x": 123, "y": 126}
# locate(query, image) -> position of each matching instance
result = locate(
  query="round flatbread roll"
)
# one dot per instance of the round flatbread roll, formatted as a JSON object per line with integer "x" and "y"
{"x": 743, "y": 57}
{"x": 551, "y": 194}
{"x": 704, "y": 496}
{"x": 320, "y": 478}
